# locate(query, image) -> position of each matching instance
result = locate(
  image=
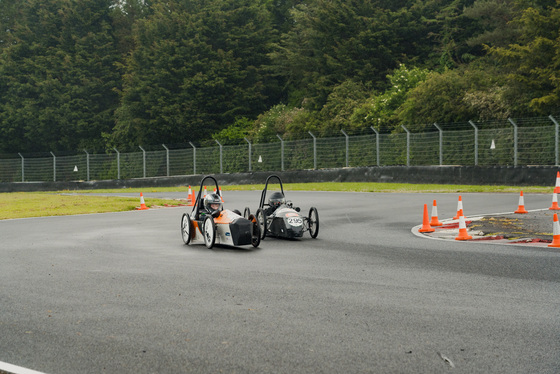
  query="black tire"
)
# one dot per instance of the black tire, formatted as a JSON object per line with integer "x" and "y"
{"x": 261, "y": 221}
{"x": 209, "y": 232}
{"x": 256, "y": 237}
{"x": 186, "y": 228}
{"x": 313, "y": 222}
{"x": 246, "y": 213}
{"x": 236, "y": 212}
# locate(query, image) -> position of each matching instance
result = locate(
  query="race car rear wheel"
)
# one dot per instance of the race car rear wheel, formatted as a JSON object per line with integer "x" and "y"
{"x": 246, "y": 213}
{"x": 261, "y": 221}
{"x": 209, "y": 232}
{"x": 186, "y": 228}
{"x": 256, "y": 236}
{"x": 313, "y": 222}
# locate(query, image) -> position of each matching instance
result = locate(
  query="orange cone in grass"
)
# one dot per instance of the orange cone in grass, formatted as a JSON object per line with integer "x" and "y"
{"x": 521, "y": 207}
{"x": 557, "y": 187}
{"x": 463, "y": 235}
{"x": 190, "y": 198}
{"x": 554, "y": 205}
{"x": 459, "y": 208}
{"x": 142, "y": 203}
{"x": 435, "y": 221}
{"x": 426, "y": 222}
{"x": 555, "y": 232}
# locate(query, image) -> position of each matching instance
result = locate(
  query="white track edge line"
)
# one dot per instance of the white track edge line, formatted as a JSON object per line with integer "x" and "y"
{"x": 4, "y": 366}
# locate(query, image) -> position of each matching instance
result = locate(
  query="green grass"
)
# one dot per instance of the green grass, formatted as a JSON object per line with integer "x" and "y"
{"x": 37, "y": 204}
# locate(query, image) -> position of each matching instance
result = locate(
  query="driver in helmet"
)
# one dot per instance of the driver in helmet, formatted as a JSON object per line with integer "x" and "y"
{"x": 213, "y": 204}
{"x": 274, "y": 201}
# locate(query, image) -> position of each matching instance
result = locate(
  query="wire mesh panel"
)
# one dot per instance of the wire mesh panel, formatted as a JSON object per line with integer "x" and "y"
{"x": 495, "y": 146}
{"x": 536, "y": 145}
{"x": 235, "y": 158}
{"x": 458, "y": 147}
{"x": 71, "y": 168}
{"x": 156, "y": 163}
{"x": 181, "y": 161}
{"x": 363, "y": 150}
{"x": 39, "y": 169}
{"x": 392, "y": 149}
{"x": 298, "y": 154}
{"x": 266, "y": 156}
{"x": 10, "y": 170}
{"x": 331, "y": 152}
{"x": 424, "y": 148}
{"x": 208, "y": 160}
{"x": 131, "y": 165}
{"x": 103, "y": 166}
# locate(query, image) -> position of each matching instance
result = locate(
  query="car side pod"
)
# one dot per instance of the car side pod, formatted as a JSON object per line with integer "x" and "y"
{"x": 426, "y": 227}
{"x": 463, "y": 230}
{"x": 555, "y": 232}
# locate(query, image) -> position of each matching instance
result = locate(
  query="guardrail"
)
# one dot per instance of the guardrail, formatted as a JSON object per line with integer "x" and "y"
{"x": 520, "y": 142}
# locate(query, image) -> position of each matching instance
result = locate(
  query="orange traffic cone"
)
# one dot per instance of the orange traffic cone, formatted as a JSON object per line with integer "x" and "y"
{"x": 190, "y": 197}
{"x": 221, "y": 196}
{"x": 205, "y": 192}
{"x": 142, "y": 203}
{"x": 555, "y": 232}
{"x": 557, "y": 187}
{"x": 426, "y": 222}
{"x": 459, "y": 208}
{"x": 521, "y": 207}
{"x": 435, "y": 221}
{"x": 463, "y": 230}
{"x": 554, "y": 205}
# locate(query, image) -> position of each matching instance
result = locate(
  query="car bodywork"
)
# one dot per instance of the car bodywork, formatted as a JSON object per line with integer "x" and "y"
{"x": 285, "y": 221}
{"x": 226, "y": 227}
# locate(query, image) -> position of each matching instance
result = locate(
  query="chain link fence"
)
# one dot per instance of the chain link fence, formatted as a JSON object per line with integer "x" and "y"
{"x": 520, "y": 142}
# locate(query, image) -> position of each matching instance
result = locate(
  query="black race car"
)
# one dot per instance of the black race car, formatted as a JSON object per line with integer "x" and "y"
{"x": 279, "y": 218}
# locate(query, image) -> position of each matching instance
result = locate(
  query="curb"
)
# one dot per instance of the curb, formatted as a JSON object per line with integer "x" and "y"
{"x": 450, "y": 230}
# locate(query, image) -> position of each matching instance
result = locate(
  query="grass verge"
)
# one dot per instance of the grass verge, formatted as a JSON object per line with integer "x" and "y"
{"x": 37, "y": 204}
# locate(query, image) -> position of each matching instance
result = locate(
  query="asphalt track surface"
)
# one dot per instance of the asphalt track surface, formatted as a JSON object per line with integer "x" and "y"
{"x": 121, "y": 293}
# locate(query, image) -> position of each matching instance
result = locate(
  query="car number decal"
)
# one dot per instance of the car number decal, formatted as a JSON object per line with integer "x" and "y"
{"x": 294, "y": 221}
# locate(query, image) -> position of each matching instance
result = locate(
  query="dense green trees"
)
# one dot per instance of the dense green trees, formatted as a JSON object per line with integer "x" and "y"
{"x": 90, "y": 74}
{"x": 57, "y": 76}
{"x": 196, "y": 68}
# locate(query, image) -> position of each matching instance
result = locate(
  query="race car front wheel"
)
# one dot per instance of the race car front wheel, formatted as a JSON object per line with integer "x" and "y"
{"x": 261, "y": 221}
{"x": 186, "y": 228}
{"x": 209, "y": 232}
{"x": 256, "y": 235}
{"x": 246, "y": 213}
{"x": 313, "y": 222}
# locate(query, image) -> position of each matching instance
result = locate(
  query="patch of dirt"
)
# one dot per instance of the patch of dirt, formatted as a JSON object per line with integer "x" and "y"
{"x": 515, "y": 226}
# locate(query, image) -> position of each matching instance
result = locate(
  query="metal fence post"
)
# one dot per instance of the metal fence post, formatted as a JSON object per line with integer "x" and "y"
{"x": 87, "y": 165}
{"x": 555, "y": 139}
{"x": 143, "y": 161}
{"x": 514, "y": 141}
{"x": 376, "y": 143}
{"x": 407, "y": 145}
{"x": 475, "y": 143}
{"x": 118, "y": 163}
{"x": 281, "y": 151}
{"x": 314, "y": 150}
{"x": 347, "y": 148}
{"x": 166, "y": 158}
{"x": 440, "y": 144}
{"x": 22, "y": 167}
{"x": 247, "y": 140}
{"x": 221, "y": 165}
{"x": 194, "y": 157}
{"x": 54, "y": 167}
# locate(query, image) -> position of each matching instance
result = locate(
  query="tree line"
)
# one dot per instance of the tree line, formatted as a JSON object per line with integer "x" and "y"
{"x": 97, "y": 74}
